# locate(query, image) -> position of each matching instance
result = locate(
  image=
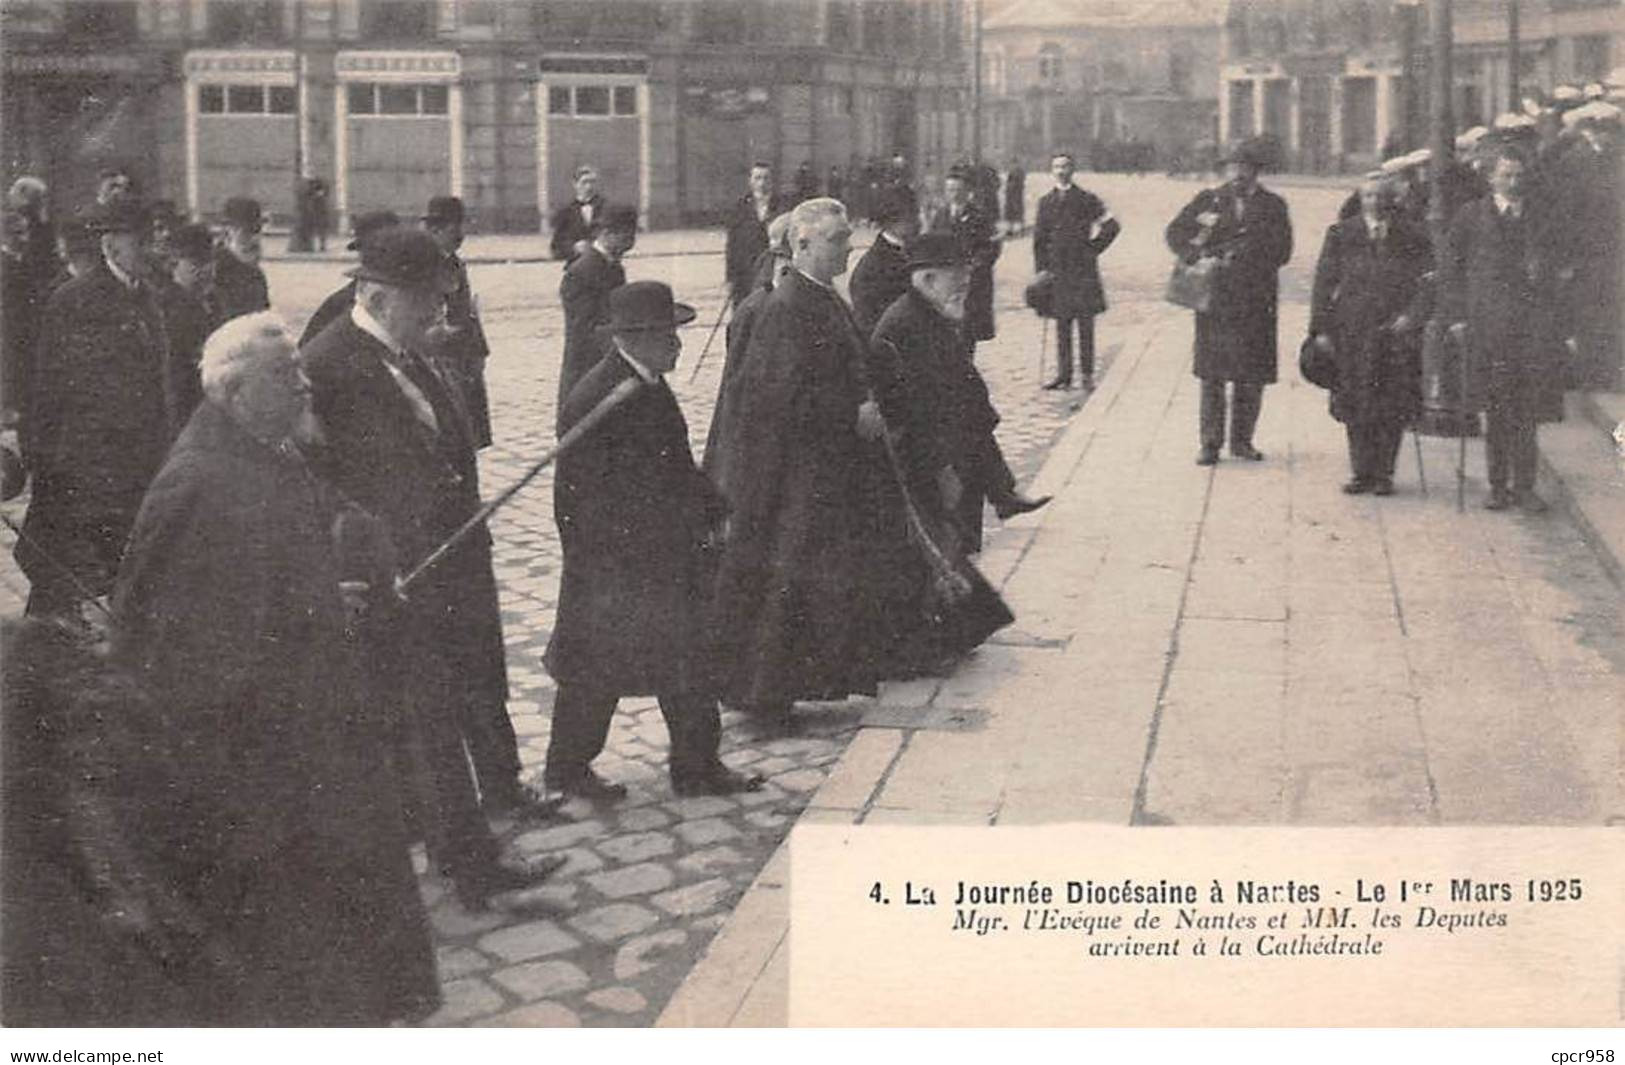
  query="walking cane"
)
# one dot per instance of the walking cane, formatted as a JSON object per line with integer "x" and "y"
{"x": 1461, "y": 450}
{"x": 726, "y": 303}
{"x": 621, "y": 393}
{"x": 1421, "y": 471}
{"x": 1043, "y": 346}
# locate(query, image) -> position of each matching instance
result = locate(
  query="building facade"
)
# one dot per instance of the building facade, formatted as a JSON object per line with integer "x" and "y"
{"x": 1328, "y": 78}
{"x": 392, "y": 101}
{"x": 1090, "y": 74}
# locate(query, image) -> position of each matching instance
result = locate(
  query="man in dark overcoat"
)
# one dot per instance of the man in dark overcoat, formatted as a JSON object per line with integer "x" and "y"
{"x": 1015, "y": 198}
{"x": 239, "y": 283}
{"x": 1245, "y": 227}
{"x": 1371, "y": 298}
{"x": 187, "y": 300}
{"x": 1588, "y": 182}
{"x": 970, "y": 223}
{"x": 276, "y": 820}
{"x": 572, "y": 224}
{"x": 584, "y": 292}
{"x": 882, "y": 273}
{"x": 340, "y": 300}
{"x": 97, "y": 427}
{"x": 792, "y": 614}
{"x": 776, "y": 262}
{"x": 747, "y": 231}
{"x": 396, "y": 442}
{"x": 458, "y": 344}
{"x": 1072, "y": 231}
{"x": 637, "y": 521}
{"x": 1497, "y": 289}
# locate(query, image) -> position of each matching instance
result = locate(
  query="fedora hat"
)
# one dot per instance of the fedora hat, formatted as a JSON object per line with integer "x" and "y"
{"x": 641, "y": 306}
{"x": 445, "y": 211}
{"x": 244, "y": 212}
{"x": 935, "y": 249}
{"x": 367, "y": 224}
{"x": 405, "y": 256}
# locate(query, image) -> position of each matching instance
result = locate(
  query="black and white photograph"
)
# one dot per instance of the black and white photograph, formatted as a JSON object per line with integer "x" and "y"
{"x": 486, "y": 480}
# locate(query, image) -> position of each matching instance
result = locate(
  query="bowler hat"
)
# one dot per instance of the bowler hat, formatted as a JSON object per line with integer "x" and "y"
{"x": 244, "y": 212}
{"x": 192, "y": 242}
{"x": 935, "y": 249}
{"x": 615, "y": 219}
{"x": 894, "y": 205}
{"x": 1040, "y": 294}
{"x": 1318, "y": 367}
{"x": 645, "y": 305}
{"x": 366, "y": 225}
{"x": 445, "y": 211}
{"x": 405, "y": 256}
{"x": 119, "y": 216}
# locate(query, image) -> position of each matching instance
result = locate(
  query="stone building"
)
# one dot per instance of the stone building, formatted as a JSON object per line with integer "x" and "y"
{"x": 1327, "y": 77}
{"x": 1079, "y": 73}
{"x": 392, "y": 101}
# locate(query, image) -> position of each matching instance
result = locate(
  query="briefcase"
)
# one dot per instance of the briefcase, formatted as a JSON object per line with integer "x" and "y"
{"x": 1191, "y": 284}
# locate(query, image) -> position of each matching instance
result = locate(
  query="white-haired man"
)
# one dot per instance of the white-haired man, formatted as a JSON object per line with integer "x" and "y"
{"x": 794, "y": 617}
{"x": 277, "y": 884}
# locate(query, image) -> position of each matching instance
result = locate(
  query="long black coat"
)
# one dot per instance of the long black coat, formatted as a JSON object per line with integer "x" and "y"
{"x": 281, "y": 825}
{"x": 747, "y": 239}
{"x": 239, "y": 287}
{"x": 97, "y": 428}
{"x": 1236, "y": 339}
{"x": 793, "y": 616}
{"x": 460, "y": 350}
{"x": 1499, "y": 277}
{"x": 978, "y": 236}
{"x": 1065, "y": 244}
{"x": 1361, "y": 287}
{"x": 423, "y": 484}
{"x": 584, "y": 291}
{"x": 879, "y": 278}
{"x": 1015, "y": 195}
{"x": 569, "y": 226}
{"x": 726, "y": 411}
{"x": 188, "y": 322}
{"x": 336, "y": 305}
{"x": 634, "y": 514}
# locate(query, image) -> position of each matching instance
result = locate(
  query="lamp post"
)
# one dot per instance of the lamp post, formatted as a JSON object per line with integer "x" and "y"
{"x": 1408, "y": 12}
{"x": 299, "y": 237}
{"x": 976, "y": 81}
{"x": 1514, "y": 60}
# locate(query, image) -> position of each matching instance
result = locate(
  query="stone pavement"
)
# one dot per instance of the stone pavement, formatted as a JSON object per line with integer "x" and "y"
{"x": 1241, "y": 645}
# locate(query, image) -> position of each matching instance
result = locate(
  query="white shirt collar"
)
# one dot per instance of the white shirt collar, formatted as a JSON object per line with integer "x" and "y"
{"x": 647, "y": 375}
{"x": 364, "y": 321}
{"x": 825, "y": 285}
{"x": 893, "y": 241}
{"x": 125, "y": 279}
{"x": 1502, "y": 203}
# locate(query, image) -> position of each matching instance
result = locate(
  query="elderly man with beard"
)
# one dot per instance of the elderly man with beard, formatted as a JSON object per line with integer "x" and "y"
{"x": 793, "y": 613}
{"x": 272, "y": 830}
{"x": 397, "y": 443}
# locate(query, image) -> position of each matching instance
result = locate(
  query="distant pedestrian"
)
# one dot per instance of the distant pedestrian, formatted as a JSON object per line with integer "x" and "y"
{"x": 806, "y": 181}
{"x": 638, "y": 523}
{"x": 571, "y": 225}
{"x": 458, "y": 344}
{"x": 747, "y": 231}
{"x": 1371, "y": 299}
{"x": 1073, "y": 229}
{"x": 1498, "y": 285}
{"x": 1015, "y": 198}
{"x": 116, "y": 185}
{"x": 339, "y": 301}
{"x": 964, "y": 216}
{"x": 1246, "y": 228}
{"x": 882, "y": 273}
{"x": 584, "y": 293}
{"x": 187, "y": 299}
{"x": 239, "y": 283}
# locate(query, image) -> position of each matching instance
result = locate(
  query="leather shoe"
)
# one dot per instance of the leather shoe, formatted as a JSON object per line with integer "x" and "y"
{"x": 1208, "y": 456}
{"x": 1500, "y": 499}
{"x": 1247, "y": 451}
{"x": 1058, "y": 384}
{"x": 1357, "y": 487}
{"x": 590, "y": 786}
{"x": 1532, "y": 503}
{"x": 719, "y": 780}
{"x": 1016, "y": 503}
{"x": 1384, "y": 487}
{"x": 476, "y": 886}
{"x": 526, "y": 801}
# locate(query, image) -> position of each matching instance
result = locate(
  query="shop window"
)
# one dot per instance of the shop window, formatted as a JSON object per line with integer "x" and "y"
{"x": 397, "y": 100}
{"x": 211, "y": 99}
{"x": 558, "y": 101}
{"x": 1049, "y": 62}
{"x": 592, "y": 100}
{"x": 282, "y": 99}
{"x": 241, "y": 99}
{"x": 401, "y": 20}
{"x": 247, "y": 99}
{"x": 234, "y": 21}
{"x": 626, "y": 100}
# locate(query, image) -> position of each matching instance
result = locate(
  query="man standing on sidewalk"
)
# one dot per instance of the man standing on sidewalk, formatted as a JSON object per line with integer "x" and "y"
{"x": 572, "y": 224}
{"x": 1072, "y": 231}
{"x": 1369, "y": 304}
{"x": 638, "y": 522}
{"x": 1498, "y": 279}
{"x": 1245, "y": 227}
